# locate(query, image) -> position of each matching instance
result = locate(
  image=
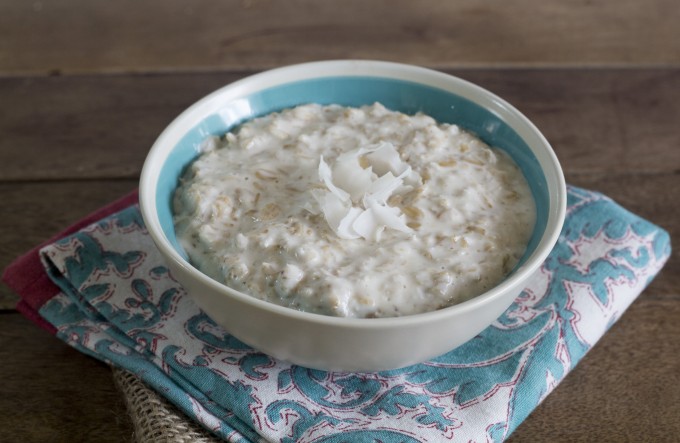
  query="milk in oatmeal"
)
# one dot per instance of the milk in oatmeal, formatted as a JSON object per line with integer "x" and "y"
{"x": 354, "y": 212}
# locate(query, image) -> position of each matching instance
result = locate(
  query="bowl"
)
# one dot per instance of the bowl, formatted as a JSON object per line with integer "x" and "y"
{"x": 351, "y": 344}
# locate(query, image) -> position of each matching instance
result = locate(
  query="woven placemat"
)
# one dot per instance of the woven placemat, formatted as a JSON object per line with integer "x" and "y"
{"x": 154, "y": 419}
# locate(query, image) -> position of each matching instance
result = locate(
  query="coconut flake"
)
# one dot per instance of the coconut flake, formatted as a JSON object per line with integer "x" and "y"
{"x": 350, "y": 187}
{"x": 326, "y": 175}
{"x": 367, "y": 226}
{"x": 346, "y": 226}
{"x": 357, "y": 152}
{"x": 333, "y": 209}
{"x": 385, "y": 158}
{"x": 383, "y": 188}
{"x": 351, "y": 177}
{"x": 315, "y": 207}
{"x": 389, "y": 216}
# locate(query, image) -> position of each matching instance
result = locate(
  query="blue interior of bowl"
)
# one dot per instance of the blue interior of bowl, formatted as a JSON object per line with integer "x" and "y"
{"x": 398, "y": 95}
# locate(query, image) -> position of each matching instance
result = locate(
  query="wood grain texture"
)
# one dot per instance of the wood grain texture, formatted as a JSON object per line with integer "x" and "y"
{"x": 35, "y": 211}
{"x": 89, "y": 127}
{"x": 52, "y": 393}
{"x": 605, "y": 120}
{"x": 626, "y": 389}
{"x": 81, "y": 36}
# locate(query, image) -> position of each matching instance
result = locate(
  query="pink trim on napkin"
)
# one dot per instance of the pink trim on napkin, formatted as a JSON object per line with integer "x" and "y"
{"x": 26, "y": 275}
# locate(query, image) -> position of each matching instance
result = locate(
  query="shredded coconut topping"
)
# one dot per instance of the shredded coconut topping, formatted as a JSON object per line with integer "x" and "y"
{"x": 357, "y": 189}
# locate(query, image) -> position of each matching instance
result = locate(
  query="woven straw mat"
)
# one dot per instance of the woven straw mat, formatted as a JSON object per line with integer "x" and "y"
{"x": 154, "y": 419}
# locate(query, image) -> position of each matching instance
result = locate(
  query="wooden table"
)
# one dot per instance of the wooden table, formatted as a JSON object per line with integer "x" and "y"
{"x": 85, "y": 87}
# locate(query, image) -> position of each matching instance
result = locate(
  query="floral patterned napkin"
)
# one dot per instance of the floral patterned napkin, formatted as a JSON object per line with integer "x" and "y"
{"x": 115, "y": 300}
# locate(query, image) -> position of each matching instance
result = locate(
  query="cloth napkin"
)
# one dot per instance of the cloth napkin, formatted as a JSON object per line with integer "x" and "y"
{"x": 103, "y": 288}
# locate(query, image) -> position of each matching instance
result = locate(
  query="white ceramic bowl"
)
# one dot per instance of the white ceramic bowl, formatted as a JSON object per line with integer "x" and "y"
{"x": 331, "y": 343}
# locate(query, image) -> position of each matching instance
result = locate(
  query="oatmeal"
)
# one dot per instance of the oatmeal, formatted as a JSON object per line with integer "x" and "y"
{"x": 354, "y": 212}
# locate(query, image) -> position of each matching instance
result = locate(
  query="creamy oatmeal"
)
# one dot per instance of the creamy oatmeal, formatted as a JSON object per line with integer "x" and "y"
{"x": 354, "y": 212}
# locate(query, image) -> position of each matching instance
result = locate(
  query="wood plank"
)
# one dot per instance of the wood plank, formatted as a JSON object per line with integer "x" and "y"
{"x": 626, "y": 389}
{"x": 90, "y": 127}
{"x": 80, "y": 36}
{"x": 607, "y": 120}
{"x": 610, "y": 120}
{"x": 34, "y": 212}
{"x": 51, "y": 392}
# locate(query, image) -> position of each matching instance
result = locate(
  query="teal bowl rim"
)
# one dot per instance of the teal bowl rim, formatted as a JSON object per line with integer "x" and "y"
{"x": 489, "y": 115}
